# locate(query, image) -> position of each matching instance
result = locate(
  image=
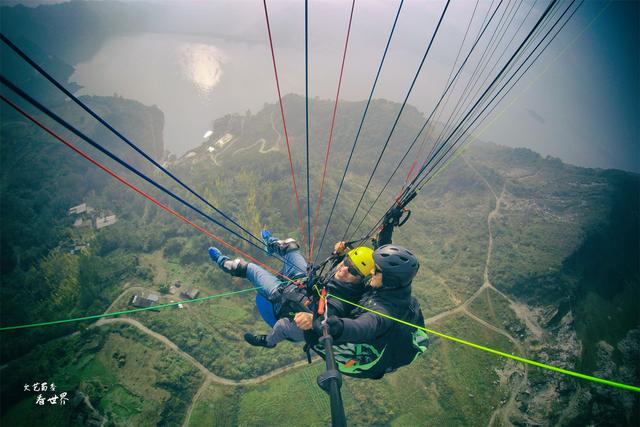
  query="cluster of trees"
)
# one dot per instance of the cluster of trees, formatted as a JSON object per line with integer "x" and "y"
{"x": 41, "y": 280}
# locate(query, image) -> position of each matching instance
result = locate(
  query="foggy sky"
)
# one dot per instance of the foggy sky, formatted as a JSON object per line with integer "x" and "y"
{"x": 582, "y": 107}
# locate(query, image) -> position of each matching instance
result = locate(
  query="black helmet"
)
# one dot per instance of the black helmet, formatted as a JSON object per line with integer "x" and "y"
{"x": 398, "y": 265}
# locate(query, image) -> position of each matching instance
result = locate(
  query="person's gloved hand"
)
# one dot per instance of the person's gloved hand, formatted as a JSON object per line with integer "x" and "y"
{"x": 304, "y": 321}
{"x": 393, "y": 216}
{"x": 335, "y": 324}
{"x": 340, "y": 248}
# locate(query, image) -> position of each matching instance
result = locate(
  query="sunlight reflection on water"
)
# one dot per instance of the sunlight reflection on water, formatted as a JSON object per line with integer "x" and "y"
{"x": 202, "y": 65}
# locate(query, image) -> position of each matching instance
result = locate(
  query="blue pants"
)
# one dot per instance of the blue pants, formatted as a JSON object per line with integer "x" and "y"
{"x": 294, "y": 266}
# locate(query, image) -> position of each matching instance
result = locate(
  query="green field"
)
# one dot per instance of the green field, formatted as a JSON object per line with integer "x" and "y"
{"x": 564, "y": 247}
{"x": 127, "y": 377}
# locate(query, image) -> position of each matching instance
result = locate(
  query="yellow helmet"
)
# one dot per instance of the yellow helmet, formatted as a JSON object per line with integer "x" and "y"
{"x": 362, "y": 259}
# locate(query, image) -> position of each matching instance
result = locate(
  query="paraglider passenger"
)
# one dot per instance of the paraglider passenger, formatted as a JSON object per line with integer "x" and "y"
{"x": 347, "y": 279}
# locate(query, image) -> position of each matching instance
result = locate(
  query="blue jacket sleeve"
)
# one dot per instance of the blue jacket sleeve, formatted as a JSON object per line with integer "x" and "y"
{"x": 364, "y": 328}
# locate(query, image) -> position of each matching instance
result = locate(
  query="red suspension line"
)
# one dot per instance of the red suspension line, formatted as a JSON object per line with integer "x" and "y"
{"x": 417, "y": 155}
{"x": 420, "y": 151}
{"x": 284, "y": 123}
{"x": 415, "y": 161}
{"x": 134, "y": 188}
{"x": 333, "y": 120}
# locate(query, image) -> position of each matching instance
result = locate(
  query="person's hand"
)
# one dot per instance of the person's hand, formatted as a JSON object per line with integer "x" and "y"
{"x": 335, "y": 324}
{"x": 304, "y": 321}
{"x": 339, "y": 248}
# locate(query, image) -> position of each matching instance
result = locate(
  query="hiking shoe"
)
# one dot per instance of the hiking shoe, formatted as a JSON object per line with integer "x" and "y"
{"x": 277, "y": 246}
{"x": 257, "y": 340}
{"x": 236, "y": 267}
{"x": 266, "y": 235}
{"x": 214, "y": 254}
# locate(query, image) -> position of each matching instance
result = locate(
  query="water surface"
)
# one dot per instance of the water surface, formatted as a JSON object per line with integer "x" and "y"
{"x": 196, "y": 80}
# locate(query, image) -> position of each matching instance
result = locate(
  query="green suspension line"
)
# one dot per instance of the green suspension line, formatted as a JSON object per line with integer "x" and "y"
{"x": 500, "y": 353}
{"x": 135, "y": 310}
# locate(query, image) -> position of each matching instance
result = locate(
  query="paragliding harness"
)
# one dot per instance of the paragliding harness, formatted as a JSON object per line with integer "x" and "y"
{"x": 404, "y": 344}
{"x": 363, "y": 360}
{"x": 298, "y": 295}
{"x": 293, "y": 298}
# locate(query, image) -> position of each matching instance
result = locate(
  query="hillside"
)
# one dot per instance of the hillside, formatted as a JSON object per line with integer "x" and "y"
{"x": 521, "y": 253}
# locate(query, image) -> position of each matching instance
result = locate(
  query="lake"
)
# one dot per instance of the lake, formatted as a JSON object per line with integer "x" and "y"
{"x": 195, "y": 80}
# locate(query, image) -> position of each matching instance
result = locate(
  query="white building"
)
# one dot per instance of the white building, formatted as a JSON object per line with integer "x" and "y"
{"x": 105, "y": 221}
{"x": 81, "y": 208}
{"x": 224, "y": 140}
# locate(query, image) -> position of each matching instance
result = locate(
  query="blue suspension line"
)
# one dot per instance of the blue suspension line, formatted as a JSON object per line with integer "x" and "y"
{"x": 364, "y": 114}
{"x": 306, "y": 84}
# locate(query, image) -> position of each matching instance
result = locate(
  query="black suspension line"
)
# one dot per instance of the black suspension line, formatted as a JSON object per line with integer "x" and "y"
{"x": 105, "y": 151}
{"x": 410, "y": 192}
{"x": 513, "y": 63}
{"x": 418, "y": 183}
{"x": 474, "y": 75}
{"x": 364, "y": 114}
{"x": 462, "y": 101}
{"x": 464, "y": 39}
{"x": 306, "y": 109}
{"x": 82, "y": 105}
{"x": 467, "y": 135}
{"x": 446, "y": 92}
{"x": 506, "y": 48}
{"x": 437, "y": 119}
{"x": 477, "y": 90}
{"x": 395, "y": 123}
{"x": 541, "y": 19}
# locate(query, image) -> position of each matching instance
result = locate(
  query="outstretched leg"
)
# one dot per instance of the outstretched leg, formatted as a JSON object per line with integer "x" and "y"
{"x": 236, "y": 267}
{"x": 294, "y": 265}
{"x": 261, "y": 278}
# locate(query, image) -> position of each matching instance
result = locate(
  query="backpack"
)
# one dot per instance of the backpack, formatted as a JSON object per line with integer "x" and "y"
{"x": 404, "y": 344}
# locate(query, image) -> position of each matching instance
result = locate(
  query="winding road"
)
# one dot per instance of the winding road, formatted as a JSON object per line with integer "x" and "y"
{"x": 502, "y": 412}
{"x": 510, "y": 406}
{"x": 208, "y": 375}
